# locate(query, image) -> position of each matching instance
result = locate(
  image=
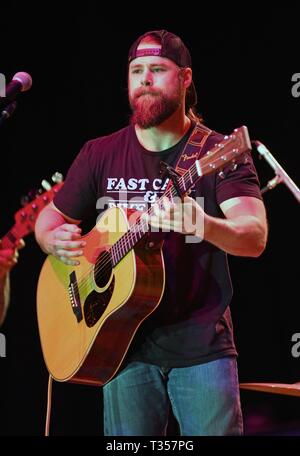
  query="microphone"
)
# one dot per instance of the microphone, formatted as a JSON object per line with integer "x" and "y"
{"x": 281, "y": 175}
{"x": 21, "y": 82}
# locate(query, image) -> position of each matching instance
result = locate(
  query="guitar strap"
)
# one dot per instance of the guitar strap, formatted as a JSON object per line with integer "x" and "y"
{"x": 193, "y": 148}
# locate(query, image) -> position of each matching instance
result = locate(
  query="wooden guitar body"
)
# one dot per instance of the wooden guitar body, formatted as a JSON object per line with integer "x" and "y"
{"x": 86, "y": 335}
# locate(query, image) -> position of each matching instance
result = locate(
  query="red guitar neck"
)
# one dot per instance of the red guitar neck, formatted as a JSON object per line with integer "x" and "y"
{"x": 11, "y": 238}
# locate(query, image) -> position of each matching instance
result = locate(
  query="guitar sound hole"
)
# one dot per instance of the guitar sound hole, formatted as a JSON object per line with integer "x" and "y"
{"x": 103, "y": 269}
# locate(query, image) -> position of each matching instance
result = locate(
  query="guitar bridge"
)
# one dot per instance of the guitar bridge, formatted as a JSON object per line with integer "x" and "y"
{"x": 75, "y": 297}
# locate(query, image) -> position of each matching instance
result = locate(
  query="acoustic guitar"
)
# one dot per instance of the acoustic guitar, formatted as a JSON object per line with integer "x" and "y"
{"x": 88, "y": 314}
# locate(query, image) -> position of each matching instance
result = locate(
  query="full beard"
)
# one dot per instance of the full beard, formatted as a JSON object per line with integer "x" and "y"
{"x": 151, "y": 108}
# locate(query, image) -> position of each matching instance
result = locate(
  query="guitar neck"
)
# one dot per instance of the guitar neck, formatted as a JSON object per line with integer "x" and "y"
{"x": 140, "y": 228}
{"x": 25, "y": 217}
{"x": 218, "y": 157}
{"x": 11, "y": 238}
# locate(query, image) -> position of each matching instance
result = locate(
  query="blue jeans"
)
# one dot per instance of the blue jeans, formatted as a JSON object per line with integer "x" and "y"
{"x": 204, "y": 398}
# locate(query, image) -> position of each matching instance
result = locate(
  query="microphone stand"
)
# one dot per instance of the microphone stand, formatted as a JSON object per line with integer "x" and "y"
{"x": 280, "y": 174}
{"x": 2, "y": 119}
{"x": 7, "y": 112}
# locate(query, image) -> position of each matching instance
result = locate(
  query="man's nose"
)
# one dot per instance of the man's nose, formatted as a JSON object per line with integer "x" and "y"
{"x": 147, "y": 79}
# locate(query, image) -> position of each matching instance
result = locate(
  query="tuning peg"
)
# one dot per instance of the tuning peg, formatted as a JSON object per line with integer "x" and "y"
{"x": 57, "y": 178}
{"x": 24, "y": 200}
{"x": 233, "y": 167}
{"x": 221, "y": 175}
{"x": 46, "y": 185}
{"x": 32, "y": 194}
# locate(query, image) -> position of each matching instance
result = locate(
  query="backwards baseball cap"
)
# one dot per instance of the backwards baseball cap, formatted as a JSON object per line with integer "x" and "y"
{"x": 173, "y": 48}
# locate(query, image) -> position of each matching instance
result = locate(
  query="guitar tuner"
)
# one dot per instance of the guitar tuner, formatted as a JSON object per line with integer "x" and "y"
{"x": 24, "y": 200}
{"x": 221, "y": 175}
{"x": 46, "y": 185}
{"x": 57, "y": 177}
{"x": 23, "y": 216}
{"x": 32, "y": 194}
{"x": 233, "y": 167}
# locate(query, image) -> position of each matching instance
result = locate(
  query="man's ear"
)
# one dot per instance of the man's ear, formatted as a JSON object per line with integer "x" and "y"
{"x": 187, "y": 77}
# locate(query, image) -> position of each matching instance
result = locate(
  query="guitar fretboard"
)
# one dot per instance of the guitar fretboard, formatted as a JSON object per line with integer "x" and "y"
{"x": 221, "y": 155}
{"x": 9, "y": 240}
{"x": 140, "y": 228}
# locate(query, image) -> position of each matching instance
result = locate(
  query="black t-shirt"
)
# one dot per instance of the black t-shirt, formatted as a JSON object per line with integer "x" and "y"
{"x": 192, "y": 323}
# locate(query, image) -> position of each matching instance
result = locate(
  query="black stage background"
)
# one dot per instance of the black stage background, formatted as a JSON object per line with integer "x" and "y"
{"x": 243, "y": 63}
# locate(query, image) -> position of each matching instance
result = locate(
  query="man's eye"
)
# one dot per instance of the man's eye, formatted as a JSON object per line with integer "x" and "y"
{"x": 136, "y": 71}
{"x": 158, "y": 69}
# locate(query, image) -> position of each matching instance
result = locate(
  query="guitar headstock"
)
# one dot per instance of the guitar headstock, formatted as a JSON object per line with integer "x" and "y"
{"x": 227, "y": 151}
{"x": 25, "y": 218}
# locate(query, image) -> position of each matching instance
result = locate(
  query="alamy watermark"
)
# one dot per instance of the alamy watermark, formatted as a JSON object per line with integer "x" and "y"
{"x": 295, "y": 350}
{"x": 296, "y": 87}
{"x": 2, "y": 85}
{"x": 2, "y": 346}
{"x": 183, "y": 217}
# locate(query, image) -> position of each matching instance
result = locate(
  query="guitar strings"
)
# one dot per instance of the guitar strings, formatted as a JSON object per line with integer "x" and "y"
{"x": 125, "y": 239}
{"x": 85, "y": 279}
{"x": 129, "y": 235}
